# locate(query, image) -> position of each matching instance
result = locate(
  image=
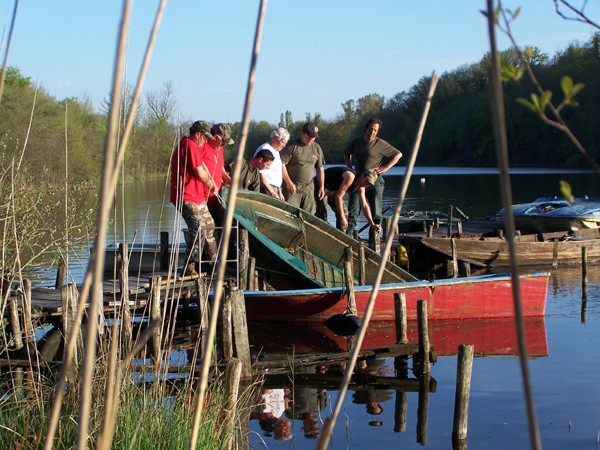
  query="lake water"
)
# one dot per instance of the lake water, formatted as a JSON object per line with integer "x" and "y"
{"x": 564, "y": 370}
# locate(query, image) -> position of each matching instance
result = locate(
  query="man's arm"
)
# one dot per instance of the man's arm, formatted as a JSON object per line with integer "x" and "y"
{"x": 321, "y": 181}
{"x": 391, "y": 163}
{"x": 204, "y": 176}
{"x": 291, "y": 187}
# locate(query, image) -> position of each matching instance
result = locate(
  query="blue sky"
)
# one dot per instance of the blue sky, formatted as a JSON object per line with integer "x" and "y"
{"x": 315, "y": 54}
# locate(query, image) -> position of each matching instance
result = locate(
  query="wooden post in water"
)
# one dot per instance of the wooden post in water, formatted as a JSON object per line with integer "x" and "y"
{"x": 244, "y": 256}
{"x": 250, "y": 283}
{"x": 584, "y": 271}
{"x": 430, "y": 230}
{"x": 227, "y": 326}
{"x": 401, "y": 320}
{"x": 26, "y": 307}
{"x": 423, "y": 406}
{"x": 454, "y": 258}
{"x": 240, "y": 332}
{"x": 123, "y": 258}
{"x": 362, "y": 267}
{"x": 450, "y": 220}
{"x": 61, "y": 272}
{"x": 463, "y": 388}
{"x": 15, "y": 324}
{"x": 424, "y": 347}
{"x": 70, "y": 300}
{"x": 202, "y": 296}
{"x": 165, "y": 251}
{"x": 156, "y": 316}
{"x": 375, "y": 240}
{"x": 349, "y": 279}
{"x": 459, "y": 226}
{"x": 232, "y": 382}
{"x": 555, "y": 254}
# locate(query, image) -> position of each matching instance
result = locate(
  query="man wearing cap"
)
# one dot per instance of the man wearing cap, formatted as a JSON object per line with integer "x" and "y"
{"x": 190, "y": 182}
{"x": 370, "y": 152}
{"x": 272, "y": 178}
{"x": 214, "y": 161}
{"x": 338, "y": 181}
{"x": 301, "y": 158}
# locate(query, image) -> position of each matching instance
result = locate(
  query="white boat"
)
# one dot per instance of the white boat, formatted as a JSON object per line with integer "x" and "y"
{"x": 547, "y": 215}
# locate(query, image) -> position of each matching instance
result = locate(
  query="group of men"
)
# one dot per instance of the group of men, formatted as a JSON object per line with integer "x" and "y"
{"x": 288, "y": 170}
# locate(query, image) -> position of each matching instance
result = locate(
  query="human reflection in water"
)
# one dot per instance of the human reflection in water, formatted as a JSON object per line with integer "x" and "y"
{"x": 273, "y": 403}
{"x": 307, "y": 404}
{"x": 368, "y": 395}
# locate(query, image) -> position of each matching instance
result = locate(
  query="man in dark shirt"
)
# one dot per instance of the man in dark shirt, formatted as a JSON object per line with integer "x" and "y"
{"x": 370, "y": 152}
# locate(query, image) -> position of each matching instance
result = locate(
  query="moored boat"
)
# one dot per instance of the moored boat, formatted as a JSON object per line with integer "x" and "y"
{"x": 304, "y": 258}
{"x": 541, "y": 249}
{"x": 545, "y": 215}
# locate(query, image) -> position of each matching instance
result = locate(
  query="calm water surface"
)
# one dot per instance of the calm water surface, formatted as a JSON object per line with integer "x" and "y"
{"x": 564, "y": 374}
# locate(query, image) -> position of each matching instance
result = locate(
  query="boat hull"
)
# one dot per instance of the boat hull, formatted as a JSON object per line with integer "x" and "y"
{"x": 486, "y": 296}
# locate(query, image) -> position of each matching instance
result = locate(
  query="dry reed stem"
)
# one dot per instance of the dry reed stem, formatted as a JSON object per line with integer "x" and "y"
{"x": 329, "y": 425}
{"x": 215, "y": 306}
{"x": 7, "y": 51}
{"x": 500, "y": 136}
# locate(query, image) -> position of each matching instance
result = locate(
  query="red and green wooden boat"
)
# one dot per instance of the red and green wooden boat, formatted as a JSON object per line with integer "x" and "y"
{"x": 303, "y": 257}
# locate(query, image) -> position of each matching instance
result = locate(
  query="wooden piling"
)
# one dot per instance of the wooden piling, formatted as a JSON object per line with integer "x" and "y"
{"x": 430, "y": 230}
{"x": 156, "y": 316}
{"x": 26, "y": 308}
{"x": 422, "y": 407}
{"x": 15, "y": 324}
{"x": 70, "y": 301}
{"x": 349, "y": 281}
{"x": 400, "y": 412}
{"x": 202, "y": 296}
{"x": 450, "y": 214}
{"x": 362, "y": 268}
{"x": 423, "y": 327}
{"x": 584, "y": 271}
{"x": 375, "y": 240}
{"x": 251, "y": 279}
{"x": 240, "y": 332}
{"x": 227, "y": 327}
{"x": 555, "y": 254}
{"x": 400, "y": 316}
{"x": 454, "y": 258}
{"x": 233, "y": 374}
{"x": 127, "y": 326}
{"x": 463, "y": 388}
{"x": 244, "y": 256}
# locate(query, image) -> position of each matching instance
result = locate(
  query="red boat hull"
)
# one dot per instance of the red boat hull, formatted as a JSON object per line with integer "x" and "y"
{"x": 488, "y": 296}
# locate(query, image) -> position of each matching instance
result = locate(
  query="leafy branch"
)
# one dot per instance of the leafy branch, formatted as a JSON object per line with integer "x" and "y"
{"x": 540, "y": 102}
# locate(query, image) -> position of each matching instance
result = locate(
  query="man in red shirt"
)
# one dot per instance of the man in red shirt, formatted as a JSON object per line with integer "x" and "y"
{"x": 191, "y": 183}
{"x": 214, "y": 162}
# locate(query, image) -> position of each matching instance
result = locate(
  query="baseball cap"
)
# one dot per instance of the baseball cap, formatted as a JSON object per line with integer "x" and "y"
{"x": 200, "y": 126}
{"x": 311, "y": 129}
{"x": 222, "y": 130}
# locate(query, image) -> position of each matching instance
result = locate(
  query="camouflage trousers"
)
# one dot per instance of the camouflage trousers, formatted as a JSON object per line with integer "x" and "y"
{"x": 201, "y": 232}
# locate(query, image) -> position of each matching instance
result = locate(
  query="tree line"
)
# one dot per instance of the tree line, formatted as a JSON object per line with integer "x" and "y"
{"x": 65, "y": 138}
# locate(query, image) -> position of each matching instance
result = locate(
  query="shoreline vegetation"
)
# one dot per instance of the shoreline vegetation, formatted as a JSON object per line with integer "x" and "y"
{"x": 458, "y": 131}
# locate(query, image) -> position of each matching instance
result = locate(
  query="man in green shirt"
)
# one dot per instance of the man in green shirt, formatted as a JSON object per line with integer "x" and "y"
{"x": 369, "y": 152}
{"x": 301, "y": 158}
